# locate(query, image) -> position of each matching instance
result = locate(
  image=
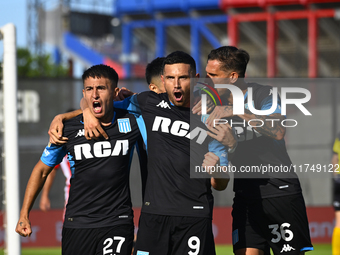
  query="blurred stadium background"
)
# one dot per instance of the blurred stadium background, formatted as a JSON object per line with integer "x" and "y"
{"x": 288, "y": 40}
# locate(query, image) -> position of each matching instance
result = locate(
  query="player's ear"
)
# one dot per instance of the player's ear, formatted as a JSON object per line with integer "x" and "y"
{"x": 83, "y": 93}
{"x": 233, "y": 77}
{"x": 153, "y": 87}
{"x": 115, "y": 92}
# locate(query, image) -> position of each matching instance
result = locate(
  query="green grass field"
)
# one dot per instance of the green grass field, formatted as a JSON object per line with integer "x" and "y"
{"x": 319, "y": 249}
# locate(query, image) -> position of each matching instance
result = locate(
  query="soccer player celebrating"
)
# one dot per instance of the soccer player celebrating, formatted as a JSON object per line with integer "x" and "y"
{"x": 268, "y": 211}
{"x": 153, "y": 74}
{"x": 176, "y": 216}
{"x": 177, "y": 210}
{"x": 99, "y": 217}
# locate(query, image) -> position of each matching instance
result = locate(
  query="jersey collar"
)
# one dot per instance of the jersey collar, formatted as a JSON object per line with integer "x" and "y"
{"x": 113, "y": 120}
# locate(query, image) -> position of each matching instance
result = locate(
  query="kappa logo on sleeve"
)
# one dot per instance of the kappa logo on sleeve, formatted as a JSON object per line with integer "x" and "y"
{"x": 124, "y": 125}
{"x": 142, "y": 253}
{"x": 163, "y": 104}
{"x": 46, "y": 152}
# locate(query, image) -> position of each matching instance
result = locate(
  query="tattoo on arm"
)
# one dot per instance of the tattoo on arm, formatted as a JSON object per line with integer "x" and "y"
{"x": 271, "y": 126}
{"x": 229, "y": 109}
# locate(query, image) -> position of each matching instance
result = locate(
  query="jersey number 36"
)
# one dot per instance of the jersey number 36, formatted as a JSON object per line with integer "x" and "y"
{"x": 286, "y": 234}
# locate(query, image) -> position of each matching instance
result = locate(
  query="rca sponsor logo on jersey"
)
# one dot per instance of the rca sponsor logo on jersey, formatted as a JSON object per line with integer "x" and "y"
{"x": 101, "y": 149}
{"x": 163, "y": 104}
{"x": 179, "y": 128}
{"x": 80, "y": 133}
{"x": 124, "y": 125}
{"x": 287, "y": 248}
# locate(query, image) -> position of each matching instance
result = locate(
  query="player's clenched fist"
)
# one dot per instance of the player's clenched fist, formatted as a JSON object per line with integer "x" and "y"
{"x": 24, "y": 227}
{"x": 210, "y": 159}
{"x": 219, "y": 181}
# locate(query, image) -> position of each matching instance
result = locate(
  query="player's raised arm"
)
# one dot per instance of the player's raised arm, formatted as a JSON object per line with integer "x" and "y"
{"x": 45, "y": 203}
{"x": 219, "y": 183}
{"x": 56, "y": 128}
{"x": 211, "y": 159}
{"x": 34, "y": 185}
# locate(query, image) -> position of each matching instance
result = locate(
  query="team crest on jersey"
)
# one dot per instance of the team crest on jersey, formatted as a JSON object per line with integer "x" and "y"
{"x": 124, "y": 125}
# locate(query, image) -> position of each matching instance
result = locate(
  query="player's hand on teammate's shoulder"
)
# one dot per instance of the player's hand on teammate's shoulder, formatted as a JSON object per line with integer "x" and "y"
{"x": 92, "y": 126}
{"x": 24, "y": 227}
{"x": 123, "y": 93}
{"x": 56, "y": 128}
{"x": 56, "y": 131}
{"x": 197, "y": 108}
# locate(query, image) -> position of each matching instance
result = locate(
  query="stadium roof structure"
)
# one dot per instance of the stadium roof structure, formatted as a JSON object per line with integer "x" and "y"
{"x": 285, "y": 38}
{"x": 197, "y": 20}
{"x": 225, "y": 4}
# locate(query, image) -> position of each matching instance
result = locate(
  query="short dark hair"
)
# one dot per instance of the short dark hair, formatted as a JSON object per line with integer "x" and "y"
{"x": 154, "y": 69}
{"x": 180, "y": 57}
{"x": 101, "y": 71}
{"x": 232, "y": 59}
